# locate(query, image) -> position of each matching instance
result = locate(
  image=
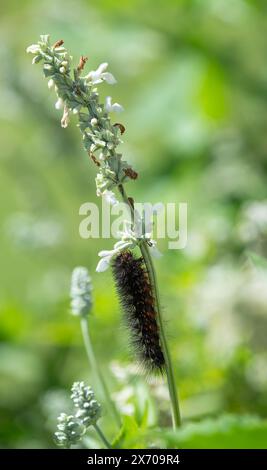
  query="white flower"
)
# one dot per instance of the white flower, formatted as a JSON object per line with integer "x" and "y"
{"x": 62, "y": 69}
{"x": 129, "y": 239}
{"x": 66, "y": 117}
{"x": 59, "y": 104}
{"x": 103, "y": 264}
{"x": 76, "y": 110}
{"x": 99, "y": 75}
{"x": 33, "y": 49}
{"x": 45, "y": 39}
{"x": 142, "y": 231}
{"x": 50, "y": 83}
{"x": 81, "y": 292}
{"x": 110, "y": 197}
{"x": 107, "y": 255}
{"x": 127, "y": 233}
{"x": 48, "y": 67}
{"x": 116, "y": 107}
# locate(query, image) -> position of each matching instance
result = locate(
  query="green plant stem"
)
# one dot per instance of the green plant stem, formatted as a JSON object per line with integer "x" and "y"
{"x": 102, "y": 437}
{"x": 176, "y": 417}
{"x": 93, "y": 364}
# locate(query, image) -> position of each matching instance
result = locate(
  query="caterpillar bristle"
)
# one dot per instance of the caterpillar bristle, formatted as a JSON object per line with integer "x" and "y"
{"x": 138, "y": 304}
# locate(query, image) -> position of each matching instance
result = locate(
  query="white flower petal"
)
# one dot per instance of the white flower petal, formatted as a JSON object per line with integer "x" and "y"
{"x": 59, "y": 104}
{"x": 109, "y": 107}
{"x": 95, "y": 78}
{"x": 109, "y": 78}
{"x": 117, "y": 108}
{"x": 103, "y": 265}
{"x": 110, "y": 197}
{"x": 105, "y": 253}
{"x": 108, "y": 104}
{"x": 50, "y": 83}
{"x": 33, "y": 49}
{"x": 121, "y": 245}
{"x": 60, "y": 49}
{"x": 102, "y": 67}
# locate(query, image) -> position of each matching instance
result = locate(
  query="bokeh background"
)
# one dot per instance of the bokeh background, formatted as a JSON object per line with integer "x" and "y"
{"x": 192, "y": 77}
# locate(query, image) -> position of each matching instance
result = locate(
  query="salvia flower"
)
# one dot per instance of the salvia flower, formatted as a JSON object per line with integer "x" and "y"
{"x": 88, "y": 408}
{"x": 100, "y": 75}
{"x": 70, "y": 430}
{"x": 110, "y": 197}
{"x": 33, "y": 49}
{"x": 142, "y": 231}
{"x": 130, "y": 238}
{"x": 81, "y": 292}
{"x": 107, "y": 255}
{"x": 109, "y": 107}
{"x": 78, "y": 95}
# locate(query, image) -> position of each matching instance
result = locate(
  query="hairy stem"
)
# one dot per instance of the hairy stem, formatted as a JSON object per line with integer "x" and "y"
{"x": 93, "y": 364}
{"x": 102, "y": 437}
{"x": 176, "y": 417}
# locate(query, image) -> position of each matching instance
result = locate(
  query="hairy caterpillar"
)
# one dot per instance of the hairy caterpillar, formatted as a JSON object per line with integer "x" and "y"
{"x": 137, "y": 301}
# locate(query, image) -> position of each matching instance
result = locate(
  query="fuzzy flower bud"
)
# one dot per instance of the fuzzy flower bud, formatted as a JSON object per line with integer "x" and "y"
{"x": 83, "y": 397}
{"x": 59, "y": 103}
{"x": 50, "y": 83}
{"x": 81, "y": 292}
{"x": 70, "y": 430}
{"x": 48, "y": 67}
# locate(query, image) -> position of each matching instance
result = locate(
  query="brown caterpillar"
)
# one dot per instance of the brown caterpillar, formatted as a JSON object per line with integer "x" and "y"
{"x": 138, "y": 304}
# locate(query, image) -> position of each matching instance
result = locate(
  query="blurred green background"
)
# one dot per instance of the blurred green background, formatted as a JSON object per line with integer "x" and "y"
{"x": 192, "y": 77}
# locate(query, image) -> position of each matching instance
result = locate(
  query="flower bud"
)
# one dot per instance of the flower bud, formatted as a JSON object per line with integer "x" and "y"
{"x": 83, "y": 397}
{"x": 50, "y": 83}
{"x": 81, "y": 292}
{"x": 70, "y": 430}
{"x": 94, "y": 121}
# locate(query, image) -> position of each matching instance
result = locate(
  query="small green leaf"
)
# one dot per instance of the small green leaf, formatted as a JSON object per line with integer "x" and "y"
{"x": 226, "y": 432}
{"x": 129, "y": 435}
